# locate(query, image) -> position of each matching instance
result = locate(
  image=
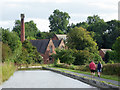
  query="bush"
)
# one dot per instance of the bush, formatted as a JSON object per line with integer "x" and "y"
{"x": 66, "y": 56}
{"x": 111, "y": 69}
{"x": 108, "y": 69}
{"x": 73, "y": 67}
{"x": 81, "y": 57}
{"x": 110, "y": 56}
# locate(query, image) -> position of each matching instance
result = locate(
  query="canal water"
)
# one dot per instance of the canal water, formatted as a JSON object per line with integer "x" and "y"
{"x": 42, "y": 79}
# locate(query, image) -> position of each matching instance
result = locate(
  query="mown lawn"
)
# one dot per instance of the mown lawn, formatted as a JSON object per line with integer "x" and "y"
{"x": 111, "y": 77}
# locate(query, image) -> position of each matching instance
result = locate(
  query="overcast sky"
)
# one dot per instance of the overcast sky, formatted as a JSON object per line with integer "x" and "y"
{"x": 40, "y": 10}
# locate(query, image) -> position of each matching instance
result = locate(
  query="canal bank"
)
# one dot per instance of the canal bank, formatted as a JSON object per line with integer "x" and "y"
{"x": 31, "y": 69}
{"x": 93, "y": 82}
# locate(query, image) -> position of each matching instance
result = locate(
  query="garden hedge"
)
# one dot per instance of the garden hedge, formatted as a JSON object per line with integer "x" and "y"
{"x": 108, "y": 69}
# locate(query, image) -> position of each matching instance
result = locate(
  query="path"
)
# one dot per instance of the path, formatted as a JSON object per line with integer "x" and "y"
{"x": 101, "y": 79}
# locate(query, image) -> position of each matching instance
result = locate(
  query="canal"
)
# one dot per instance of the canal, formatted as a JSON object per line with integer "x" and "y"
{"x": 42, "y": 79}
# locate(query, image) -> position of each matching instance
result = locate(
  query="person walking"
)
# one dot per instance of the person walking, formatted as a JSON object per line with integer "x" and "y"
{"x": 92, "y": 67}
{"x": 99, "y": 68}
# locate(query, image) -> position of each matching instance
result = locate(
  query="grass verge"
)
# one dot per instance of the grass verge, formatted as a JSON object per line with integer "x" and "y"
{"x": 111, "y": 77}
{"x": 7, "y": 70}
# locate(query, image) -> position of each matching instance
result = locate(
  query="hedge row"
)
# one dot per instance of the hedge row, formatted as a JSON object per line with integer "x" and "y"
{"x": 111, "y": 69}
{"x": 108, "y": 69}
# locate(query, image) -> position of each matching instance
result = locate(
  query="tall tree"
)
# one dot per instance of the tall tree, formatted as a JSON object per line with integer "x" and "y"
{"x": 93, "y": 19}
{"x": 116, "y": 47}
{"x": 98, "y": 26}
{"x": 13, "y": 41}
{"x": 112, "y": 32}
{"x": 80, "y": 39}
{"x": 59, "y": 21}
{"x": 30, "y": 28}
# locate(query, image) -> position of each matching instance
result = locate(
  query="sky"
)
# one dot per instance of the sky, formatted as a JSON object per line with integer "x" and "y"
{"x": 40, "y": 10}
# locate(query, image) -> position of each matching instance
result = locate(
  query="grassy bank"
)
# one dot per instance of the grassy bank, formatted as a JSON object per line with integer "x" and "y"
{"x": 111, "y": 77}
{"x": 7, "y": 70}
{"x": 0, "y": 74}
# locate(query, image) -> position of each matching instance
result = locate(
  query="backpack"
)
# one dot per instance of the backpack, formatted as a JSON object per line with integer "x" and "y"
{"x": 99, "y": 66}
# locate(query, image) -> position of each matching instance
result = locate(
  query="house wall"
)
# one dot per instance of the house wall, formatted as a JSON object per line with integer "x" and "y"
{"x": 47, "y": 53}
{"x": 62, "y": 44}
{"x": 102, "y": 54}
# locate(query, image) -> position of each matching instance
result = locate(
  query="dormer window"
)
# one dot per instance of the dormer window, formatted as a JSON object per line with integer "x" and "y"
{"x": 51, "y": 49}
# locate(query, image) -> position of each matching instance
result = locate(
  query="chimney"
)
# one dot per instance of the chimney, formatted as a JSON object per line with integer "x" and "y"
{"x": 22, "y": 28}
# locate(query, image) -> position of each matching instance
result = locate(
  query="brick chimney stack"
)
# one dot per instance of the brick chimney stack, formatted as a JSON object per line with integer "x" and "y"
{"x": 22, "y": 28}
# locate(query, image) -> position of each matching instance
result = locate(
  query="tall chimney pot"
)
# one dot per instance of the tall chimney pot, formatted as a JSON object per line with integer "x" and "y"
{"x": 22, "y": 28}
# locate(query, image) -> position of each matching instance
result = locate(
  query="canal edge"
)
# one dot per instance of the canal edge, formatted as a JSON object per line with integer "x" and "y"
{"x": 92, "y": 82}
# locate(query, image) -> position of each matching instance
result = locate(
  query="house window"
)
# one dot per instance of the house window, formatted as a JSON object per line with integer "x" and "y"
{"x": 51, "y": 49}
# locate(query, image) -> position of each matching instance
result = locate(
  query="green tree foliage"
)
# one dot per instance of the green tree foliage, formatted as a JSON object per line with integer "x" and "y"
{"x": 93, "y": 19}
{"x": 112, "y": 32}
{"x": 30, "y": 28}
{"x": 80, "y": 39}
{"x": 17, "y": 27}
{"x": 84, "y": 25}
{"x": 13, "y": 41}
{"x": 104, "y": 33}
{"x": 81, "y": 57}
{"x": 59, "y": 21}
{"x": 22, "y": 59}
{"x": 44, "y": 35}
{"x": 6, "y": 52}
{"x": 116, "y": 47}
{"x": 110, "y": 56}
{"x": 65, "y": 56}
{"x": 98, "y": 26}
{"x": 30, "y": 38}
{"x": 96, "y": 58}
{"x": 34, "y": 56}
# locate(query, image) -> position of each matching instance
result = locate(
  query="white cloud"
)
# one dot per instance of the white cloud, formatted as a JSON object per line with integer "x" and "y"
{"x": 7, "y": 24}
{"x": 42, "y": 24}
{"x": 40, "y": 1}
{"x": 104, "y": 5}
{"x": 108, "y": 17}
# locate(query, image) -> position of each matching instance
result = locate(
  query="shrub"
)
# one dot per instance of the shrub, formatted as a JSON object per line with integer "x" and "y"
{"x": 111, "y": 69}
{"x": 81, "y": 56}
{"x": 110, "y": 56}
{"x": 66, "y": 56}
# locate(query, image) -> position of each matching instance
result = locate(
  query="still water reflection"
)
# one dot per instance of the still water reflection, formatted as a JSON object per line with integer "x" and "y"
{"x": 42, "y": 79}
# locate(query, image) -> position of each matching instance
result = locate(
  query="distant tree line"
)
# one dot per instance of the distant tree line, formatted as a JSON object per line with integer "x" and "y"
{"x": 104, "y": 33}
{"x": 84, "y": 39}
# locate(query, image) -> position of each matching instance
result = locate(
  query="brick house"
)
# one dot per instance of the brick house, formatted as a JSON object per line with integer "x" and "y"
{"x": 46, "y": 47}
{"x": 102, "y": 52}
